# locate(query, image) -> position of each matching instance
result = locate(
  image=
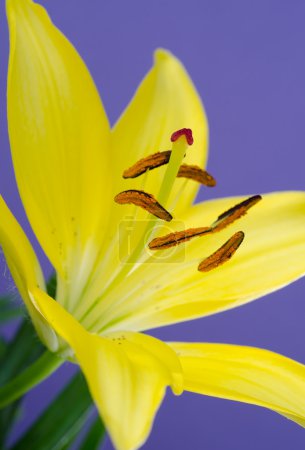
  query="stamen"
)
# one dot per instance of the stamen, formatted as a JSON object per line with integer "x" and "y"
{"x": 176, "y": 238}
{"x": 145, "y": 201}
{"x": 234, "y": 213}
{"x": 197, "y": 174}
{"x": 186, "y": 132}
{"x": 223, "y": 254}
{"x": 225, "y": 219}
{"x": 149, "y": 163}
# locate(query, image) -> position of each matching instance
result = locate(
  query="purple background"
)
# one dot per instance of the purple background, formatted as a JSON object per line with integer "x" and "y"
{"x": 247, "y": 61}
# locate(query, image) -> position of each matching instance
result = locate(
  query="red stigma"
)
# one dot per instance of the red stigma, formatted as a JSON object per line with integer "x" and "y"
{"x": 186, "y": 132}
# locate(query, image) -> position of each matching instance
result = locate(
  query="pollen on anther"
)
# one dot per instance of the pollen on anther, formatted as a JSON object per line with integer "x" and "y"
{"x": 186, "y": 132}
{"x": 197, "y": 174}
{"x": 234, "y": 213}
{"x": 223, "y": 254}
{"x": 145, "y": 201}
{"x": 149, "y": 163}
{"x": 177, "y": 237}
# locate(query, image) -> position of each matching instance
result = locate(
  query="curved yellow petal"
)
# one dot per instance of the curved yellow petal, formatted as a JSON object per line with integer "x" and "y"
{"x": 165, "y": 101}
{"x": 127, "y": 373}
{"x": 59, "y": 135}
{"x": 270, "y": 257}
{"x": 245, "y": 374}
{"x": 25, "y": 270}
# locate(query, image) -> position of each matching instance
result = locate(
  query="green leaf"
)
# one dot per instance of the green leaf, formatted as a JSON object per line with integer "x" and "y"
{"x": 16, "y": 356}
{"x": 34, "y": 374}
{"x": 10, "y": 309}
{"x": 95, "y": 436}
{"x": 21, "y": 352}
{"x": 7, "y": 417}
{"x": 61, "y": 422}
{"x": 26, "y": 347}
{"x": 3, "y": 345}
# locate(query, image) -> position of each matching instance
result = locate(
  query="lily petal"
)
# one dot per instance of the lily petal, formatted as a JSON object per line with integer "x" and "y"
{"x": 165, "y": 101}
{"x": 25, "y": 270}
{"x": 245, "y": 374}
{"x": 274, "y": 234}
{"x": 59, "y": 134}
{"x": 127, "y": 373}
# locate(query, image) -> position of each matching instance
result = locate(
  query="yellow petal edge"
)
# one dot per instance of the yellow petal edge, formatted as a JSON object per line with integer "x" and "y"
{"x": 25, "y": 270}
{"x": 245, "y": 374}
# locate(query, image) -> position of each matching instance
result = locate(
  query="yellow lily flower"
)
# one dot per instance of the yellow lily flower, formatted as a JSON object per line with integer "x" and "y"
{"x": 69, "y": 165}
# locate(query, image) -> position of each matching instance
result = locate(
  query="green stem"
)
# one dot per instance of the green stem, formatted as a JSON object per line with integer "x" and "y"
{"x": 30, "y": 377}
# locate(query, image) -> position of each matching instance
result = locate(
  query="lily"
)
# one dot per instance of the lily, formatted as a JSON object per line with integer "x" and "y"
{"x": 124, "y": 266}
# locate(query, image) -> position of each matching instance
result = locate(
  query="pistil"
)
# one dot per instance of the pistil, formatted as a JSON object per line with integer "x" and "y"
{"x": 181, "y": 139}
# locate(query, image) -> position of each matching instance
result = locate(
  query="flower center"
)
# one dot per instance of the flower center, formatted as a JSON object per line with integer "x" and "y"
{"x": 105, "y": 310}
{"x": 181, "y": 139}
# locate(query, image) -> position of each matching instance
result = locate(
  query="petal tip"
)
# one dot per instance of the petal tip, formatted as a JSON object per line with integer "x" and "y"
{"x": 162, "y": 55}
{"x": 13, "y": 5}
